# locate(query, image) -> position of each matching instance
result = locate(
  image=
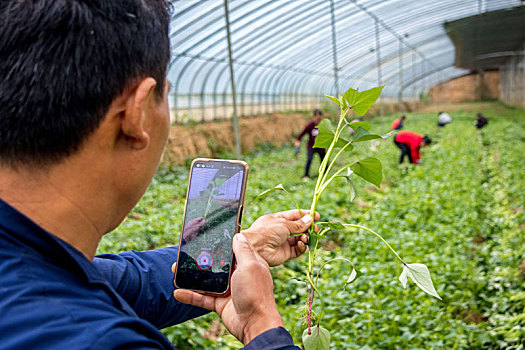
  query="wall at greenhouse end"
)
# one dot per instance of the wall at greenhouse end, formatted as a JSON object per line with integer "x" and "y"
{"x": 512, "y": 83}
{"x": 471, "y": 87}
{"x": 210, "y": 139}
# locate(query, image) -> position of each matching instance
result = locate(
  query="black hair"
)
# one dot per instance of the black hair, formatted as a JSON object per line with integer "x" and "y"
{"x": 63, "y": 62}
{"x": 427, "y": 140}
{"x": 317, "y": 112}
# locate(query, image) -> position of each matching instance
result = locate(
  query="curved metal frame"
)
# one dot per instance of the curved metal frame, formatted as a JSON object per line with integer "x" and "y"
{"x": 275, "y": 47}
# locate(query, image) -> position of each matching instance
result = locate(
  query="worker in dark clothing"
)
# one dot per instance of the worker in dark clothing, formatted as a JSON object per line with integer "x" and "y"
{"x": 312, "y": 132}
{"x": 409, "y": 143}
{"x": 481, "y": 121}
{"x": 398, "y": 123}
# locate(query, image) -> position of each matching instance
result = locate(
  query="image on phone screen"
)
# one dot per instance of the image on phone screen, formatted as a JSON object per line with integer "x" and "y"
{"x": 210, "y": 222}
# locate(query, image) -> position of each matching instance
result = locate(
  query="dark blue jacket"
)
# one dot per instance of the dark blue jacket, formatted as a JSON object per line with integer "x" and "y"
{"x": 52, "y": 297}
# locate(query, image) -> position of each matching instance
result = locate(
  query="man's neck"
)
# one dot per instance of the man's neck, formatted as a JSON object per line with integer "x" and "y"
{"x": 58, "y": 204}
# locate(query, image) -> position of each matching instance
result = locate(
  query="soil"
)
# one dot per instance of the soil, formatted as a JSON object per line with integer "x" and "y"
{"x": 214, "y": 138}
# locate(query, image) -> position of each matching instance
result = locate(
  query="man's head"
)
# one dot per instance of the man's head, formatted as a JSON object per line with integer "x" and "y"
{"x": 426, "y": 141}
{"x": 403, "y": 117}
{"x": 64, "y": 62}
{"x": 84, "y": 113}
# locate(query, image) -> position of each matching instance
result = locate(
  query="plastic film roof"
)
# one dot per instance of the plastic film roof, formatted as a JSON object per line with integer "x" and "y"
{"x": 288, "y": 46}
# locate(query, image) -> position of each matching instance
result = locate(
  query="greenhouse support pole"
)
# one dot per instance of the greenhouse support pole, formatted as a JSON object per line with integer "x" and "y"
{"x": 334, "y": 48}
{"x": 234, "y": 96}
{"x": 379, "y": 73}
{"x": 400, "y": 95}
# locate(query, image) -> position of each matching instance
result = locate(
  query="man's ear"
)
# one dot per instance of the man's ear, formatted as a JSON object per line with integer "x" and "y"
{"x": 138, "y": 105}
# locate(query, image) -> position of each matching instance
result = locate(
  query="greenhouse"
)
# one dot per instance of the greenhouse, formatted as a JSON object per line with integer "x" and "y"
{"x": 262, "y": 174}
{"x": 289, "y": 54}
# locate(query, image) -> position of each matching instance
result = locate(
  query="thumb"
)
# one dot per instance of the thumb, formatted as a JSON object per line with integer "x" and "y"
{"x": 243, "y": 250}
{"x": 301, "y": 225}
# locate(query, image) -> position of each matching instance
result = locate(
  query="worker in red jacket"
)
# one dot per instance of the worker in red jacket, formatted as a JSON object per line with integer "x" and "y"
{"x": 409, "y": 143}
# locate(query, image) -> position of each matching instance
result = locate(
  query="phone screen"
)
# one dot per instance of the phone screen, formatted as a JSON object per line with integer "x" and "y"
{"x": 215, "y": 195}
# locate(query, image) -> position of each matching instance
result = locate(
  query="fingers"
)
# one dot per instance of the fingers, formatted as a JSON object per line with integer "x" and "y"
{"x": 302, "y": 244}
{"x": 174, "y": 267}
{"x": 195, "y": 299}
{"x": 295, "y": 215}
{"x": 298, "y": 245}
{"x": 299, "y": 226}
{"x": 301, "y": 248}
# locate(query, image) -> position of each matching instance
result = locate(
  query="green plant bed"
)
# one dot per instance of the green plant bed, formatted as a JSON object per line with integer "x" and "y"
{"x": 461, "y": 212}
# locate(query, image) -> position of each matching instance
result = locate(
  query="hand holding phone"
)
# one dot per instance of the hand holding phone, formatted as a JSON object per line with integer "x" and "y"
{"x": 212, "y": 217}
{"x": 250, "y": 309}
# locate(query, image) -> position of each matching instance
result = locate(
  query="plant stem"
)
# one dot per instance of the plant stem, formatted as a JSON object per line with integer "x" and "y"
{"x": 309, "y": 315}
{"x": 294, "y": 202}
{"x": 326, "y": 159}
{"x": 319, "y": 184}
{"x": 329, "y": 261}
{"x": 335, "y": 158}
{"x": 378, "y": 236}
{"x": 333, "y": 177}
{"x": 311, "y": 298}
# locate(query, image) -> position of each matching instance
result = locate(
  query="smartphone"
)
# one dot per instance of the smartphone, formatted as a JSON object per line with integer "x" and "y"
{"x": 212, "y": 216}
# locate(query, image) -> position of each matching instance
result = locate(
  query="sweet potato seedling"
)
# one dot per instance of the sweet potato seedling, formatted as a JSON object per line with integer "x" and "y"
{"x": 339, "y": 147}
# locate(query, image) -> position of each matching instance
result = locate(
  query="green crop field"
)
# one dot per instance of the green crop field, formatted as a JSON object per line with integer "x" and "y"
{"x": 461, "y": 213}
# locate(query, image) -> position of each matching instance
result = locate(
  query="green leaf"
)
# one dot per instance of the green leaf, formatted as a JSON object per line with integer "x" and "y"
{"x": 369, "y": 169}
{"x": 352, "y": 277}
{"x": 361, "y": 102}
{"x": 318, "y": 340}
{"x": 219, "y": 182}
{"x": 279, "y": 187}
{"x": 421, "y": 276}
{"x": 326, "y": 135}
{"x": 312, "y": 240}
{"x": 363, "y": 125}
{"x": 335, "y": 226}
{"x": 363, "y": 135}
{"x": 335, "y": 100}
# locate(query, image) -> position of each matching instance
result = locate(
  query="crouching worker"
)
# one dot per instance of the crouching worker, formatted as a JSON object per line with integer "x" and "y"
{"x": 481, "y": 121}
{"x": 84, "y": 119}
{"x": 398, "y": 123}
{"x": 444, "y": 119}
{"x": 410, "y": 143}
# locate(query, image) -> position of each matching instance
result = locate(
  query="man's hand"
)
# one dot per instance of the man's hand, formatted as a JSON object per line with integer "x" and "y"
{"x": 250, "y": 309}
{"x": 271, "y": 235}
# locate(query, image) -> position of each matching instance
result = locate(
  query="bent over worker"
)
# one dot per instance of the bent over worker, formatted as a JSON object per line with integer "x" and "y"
{"x": 409, "y": 143}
